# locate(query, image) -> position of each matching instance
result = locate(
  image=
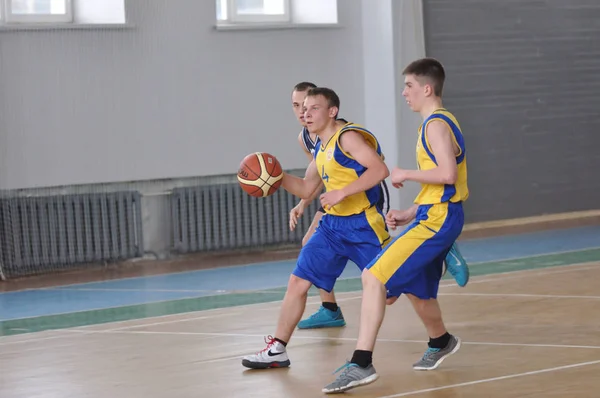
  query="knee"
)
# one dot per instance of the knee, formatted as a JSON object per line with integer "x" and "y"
{"x": 298, "y": 287}
{"x": 420, "y": 305}
{"x": 368, "y": 279}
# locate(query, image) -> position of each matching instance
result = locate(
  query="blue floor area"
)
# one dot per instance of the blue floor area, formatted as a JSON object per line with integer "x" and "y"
{"x": 141, "y": 290}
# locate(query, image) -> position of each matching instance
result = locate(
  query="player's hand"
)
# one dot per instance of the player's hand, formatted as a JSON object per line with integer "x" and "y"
{"x": 295, "y": 214}
{"x": 332, "y": 198}
{"x": 398, "y": 177}
{"x": 396, "y": 218}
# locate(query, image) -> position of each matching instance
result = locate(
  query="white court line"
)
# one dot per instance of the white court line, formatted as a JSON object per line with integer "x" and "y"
{"x": 484, "y": 279}
{"x": 505, "y": 295}
{"x": 60, "y": 336}
{"x": 173, "y": 321}
{"x": 218, "y": 291}
{"x": 328, "y": 338}
{"x": 471, "y": 383}
{"x": 82, "y": 331}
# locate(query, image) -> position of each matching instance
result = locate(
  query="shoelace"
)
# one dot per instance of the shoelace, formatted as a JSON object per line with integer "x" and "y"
{"x": 270, "y": 340}
{"x": 345, "y": 367}
{"x": 430, "y": 352}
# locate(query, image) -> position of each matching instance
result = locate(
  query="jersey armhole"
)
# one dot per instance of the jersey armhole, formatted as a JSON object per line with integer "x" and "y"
{"x": 369, "y": 138}
{"x": 454, "y": 141}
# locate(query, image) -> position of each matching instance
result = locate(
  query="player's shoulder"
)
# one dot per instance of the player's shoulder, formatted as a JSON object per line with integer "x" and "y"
{"x": 353, "y": 137}
{"x": 443, "y": 115}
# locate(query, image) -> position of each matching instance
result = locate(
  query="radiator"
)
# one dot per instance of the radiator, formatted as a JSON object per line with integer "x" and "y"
{"x": 223, "y": 217}
{"x": 51, "y": 233}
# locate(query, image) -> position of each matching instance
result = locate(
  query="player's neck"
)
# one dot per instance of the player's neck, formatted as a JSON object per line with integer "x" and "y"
{"x": 328, "y": 132}
{"x": 431, "y": 107}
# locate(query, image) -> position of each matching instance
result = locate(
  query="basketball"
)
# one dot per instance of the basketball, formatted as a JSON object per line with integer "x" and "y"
{"x": 260, "y": 174}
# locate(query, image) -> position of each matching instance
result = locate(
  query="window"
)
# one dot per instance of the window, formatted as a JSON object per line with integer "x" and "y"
{"x": 253, "y": 11}
{"x": 62, "y": 12}
{"x": 278, "y": 12}
{"x": 37, "y": 11}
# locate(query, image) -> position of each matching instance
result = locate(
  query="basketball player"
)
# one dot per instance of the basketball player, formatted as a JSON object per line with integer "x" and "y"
{"x": 412, "y": 262}
{"x": 329, "y": 314}
{"x": 348, "y": 161}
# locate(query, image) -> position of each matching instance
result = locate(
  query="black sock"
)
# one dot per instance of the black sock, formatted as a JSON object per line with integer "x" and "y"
{"x": 362, "y": 358}
{"x": 330, "y": 306}
{"x": 440, "y": 342}
{"x": 283, "y": 343}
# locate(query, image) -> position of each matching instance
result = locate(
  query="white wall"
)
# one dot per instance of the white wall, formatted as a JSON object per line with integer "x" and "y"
{"x": 169, "y": 97}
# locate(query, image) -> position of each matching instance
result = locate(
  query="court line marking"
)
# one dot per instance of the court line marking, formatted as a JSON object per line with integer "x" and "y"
{"x": 84, "y": 332}
{"x": 315, "y": 300}
{"x": 216, "y": 291}
{"x": 484, "y": 279}
{"x": 590, "y": 265}
{"x": 552, "y": 296}
{"x": 198, "y": 318}
{"x": 328, "y": 338}
{"x": 491, "y": 379}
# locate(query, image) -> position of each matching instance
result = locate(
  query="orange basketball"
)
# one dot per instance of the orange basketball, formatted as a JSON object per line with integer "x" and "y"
{"x": 260, "y": 174}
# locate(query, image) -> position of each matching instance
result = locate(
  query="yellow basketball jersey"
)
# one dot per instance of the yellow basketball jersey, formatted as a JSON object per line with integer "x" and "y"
{"x": 338, "y": 169}
{"x": 440, "y": 193}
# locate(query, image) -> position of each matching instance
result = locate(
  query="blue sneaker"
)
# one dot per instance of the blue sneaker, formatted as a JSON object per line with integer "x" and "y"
{"x": 457, "y": 266}
{"x": 323, "y": 318}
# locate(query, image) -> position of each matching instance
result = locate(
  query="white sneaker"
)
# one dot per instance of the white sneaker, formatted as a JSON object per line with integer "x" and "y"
{"x": 274, "y": 356}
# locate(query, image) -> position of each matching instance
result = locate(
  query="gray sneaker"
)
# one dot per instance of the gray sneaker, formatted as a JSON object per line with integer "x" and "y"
{"x": 433, "y": 357}
{"x": 352, "y": 376}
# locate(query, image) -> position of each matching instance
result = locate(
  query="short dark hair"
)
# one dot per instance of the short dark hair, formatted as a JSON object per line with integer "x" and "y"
{"x": 330, "y": 95}
{"x": 304, "y": 86}
{"x": 431, "y": 69}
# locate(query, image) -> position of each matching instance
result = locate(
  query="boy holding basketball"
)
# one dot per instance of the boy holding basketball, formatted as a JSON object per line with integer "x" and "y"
{"x": 329, "y": 314}
{"x": 348, "y": 161}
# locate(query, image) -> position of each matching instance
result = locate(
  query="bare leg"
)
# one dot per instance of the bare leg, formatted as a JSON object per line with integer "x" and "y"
{"x": 275, "y": 355}
{"x": 292, "y": 307}
{"x": 360, "y": 371}
{"x": 441, "y": 343}
{"x": 431, "y": 315}
{"x": 372, "y": 311}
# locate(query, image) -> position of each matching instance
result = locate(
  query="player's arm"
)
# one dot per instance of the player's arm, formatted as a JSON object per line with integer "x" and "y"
{"x": 317, "y": 191}
{"x": 395, "y": 218}
{"x": 307, "y": 153}
{"x": 302, "y": 187}
{"x": 356, "y": 146}
{"x": 443, "y": 149}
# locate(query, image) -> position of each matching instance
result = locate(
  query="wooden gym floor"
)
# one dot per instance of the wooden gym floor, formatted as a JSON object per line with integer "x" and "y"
{"x": 528, "y": 333}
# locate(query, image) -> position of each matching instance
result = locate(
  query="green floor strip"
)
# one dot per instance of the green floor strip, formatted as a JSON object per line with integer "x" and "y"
{"x": 50, "y": 322}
